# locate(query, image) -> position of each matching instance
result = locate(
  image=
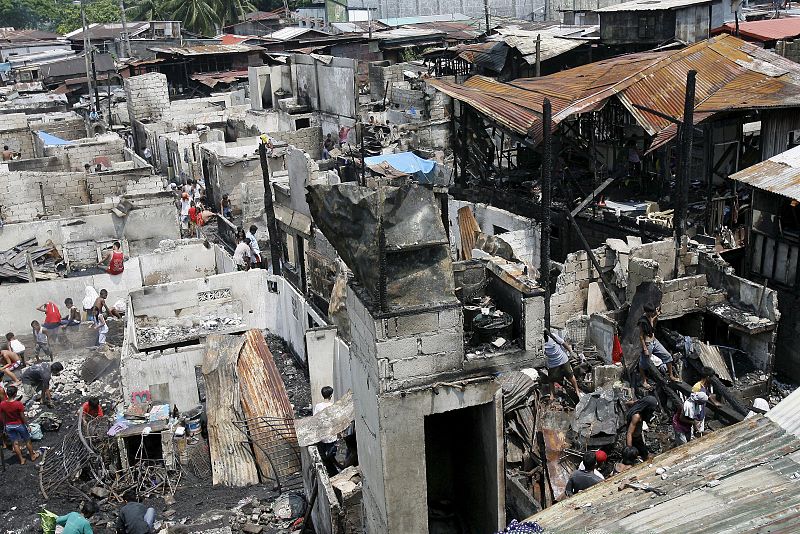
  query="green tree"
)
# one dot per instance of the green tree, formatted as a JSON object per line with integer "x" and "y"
{"x": 232, "y": 11}
{"x": 147, "y": 10}
{"x": 198, "y": 16}
{"x": 97, "y": 11}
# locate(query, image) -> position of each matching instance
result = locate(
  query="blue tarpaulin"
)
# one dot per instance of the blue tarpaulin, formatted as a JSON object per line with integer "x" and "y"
{"x": 52, "y": 140}
{"x": 423, "y": 170}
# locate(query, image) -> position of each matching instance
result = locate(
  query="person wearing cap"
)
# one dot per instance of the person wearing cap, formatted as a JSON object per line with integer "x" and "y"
{"x": 690, "y": 418}
{"x": 558, "y": 366}
{"x": 584, "y": 477}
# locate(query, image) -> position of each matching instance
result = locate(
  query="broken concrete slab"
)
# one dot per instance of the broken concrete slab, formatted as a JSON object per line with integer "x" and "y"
{"x": 594, "y": 300}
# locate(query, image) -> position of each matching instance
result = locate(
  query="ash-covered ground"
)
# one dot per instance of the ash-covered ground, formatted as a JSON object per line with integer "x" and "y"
{"x": 196, "y": 506}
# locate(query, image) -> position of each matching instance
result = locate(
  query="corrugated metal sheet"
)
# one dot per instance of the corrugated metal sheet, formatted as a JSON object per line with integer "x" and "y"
{"x": 766, "y": 30}
{"x": 263, "y": 395}
{"x": 787, "y": 413}
{"x": 232, "y": 462}
{"x": 554, "y": 41}
{"x": 651, "y": 5}
{"x": 732, "y": 75}
{"x": 749, "y": 466}
{"x": 205, "y": 50}
{"x": 780, "y": 174}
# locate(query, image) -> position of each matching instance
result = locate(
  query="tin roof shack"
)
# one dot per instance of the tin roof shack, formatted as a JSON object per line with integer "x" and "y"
{"x": 774, "y": 244}
{"x": 257, "y": 23}
{"x": 497, "y": 129}
{"x": 637, "y": 25}
{"x": 183, "y": 64}
{"x": 739, "y": 478}
{"x": 110, "y": 38}
{"x": 23, "y": 42}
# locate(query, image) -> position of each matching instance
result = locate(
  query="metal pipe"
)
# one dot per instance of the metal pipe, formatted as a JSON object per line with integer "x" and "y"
{"x": 538, "y": 55}
{"x": 275, "y": 248}
{"x": 547, "y": 173}
{"x": 86, "y": 56}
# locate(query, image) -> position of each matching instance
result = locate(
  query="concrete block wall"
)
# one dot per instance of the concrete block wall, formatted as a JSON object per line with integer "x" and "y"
{"x": 572, "y": 285}
{"x": 379, "y": 75}
{"x": 48, "y": 164}
{"x": 22, "y": 197}
{"x": 440, "y": 105}
{"x": 144, "y": 184}
{"x": 683, "y": 295}
{"x": 307, "y": 139}
{"x": 252, "y": 199}
{"x": 70, "y": 127}
{"x": 85, "y": 151}
{"x": 406, "y": 349}
{"x": 407, "y": 98}
{"x": 18, "y": 139}
{"x": 147, "y": 95}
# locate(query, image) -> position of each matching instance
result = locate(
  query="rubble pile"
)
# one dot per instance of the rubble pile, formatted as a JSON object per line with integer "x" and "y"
{"x": 283, "y": 514}
{"x": 153, "y": 331}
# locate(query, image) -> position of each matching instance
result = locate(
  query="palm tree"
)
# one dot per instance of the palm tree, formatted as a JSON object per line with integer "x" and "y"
{"x": 232, "y": 11}
{"x": 146, "y": 10}
{"x": 198, "y": 16}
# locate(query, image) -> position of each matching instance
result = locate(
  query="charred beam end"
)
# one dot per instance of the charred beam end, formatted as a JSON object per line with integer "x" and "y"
{"x": 272, "y": 227}
{"x": 547, "y": 173}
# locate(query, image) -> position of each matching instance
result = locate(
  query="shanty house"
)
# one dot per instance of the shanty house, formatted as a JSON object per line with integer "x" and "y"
{"x": 641, "y": 24}
{"x": 774, "y": 244}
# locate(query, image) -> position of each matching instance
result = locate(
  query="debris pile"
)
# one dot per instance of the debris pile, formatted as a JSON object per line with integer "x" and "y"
{"x": 284, "y": 513}
{"x": 28, "y": 262}
{"x": 157, "y": 331}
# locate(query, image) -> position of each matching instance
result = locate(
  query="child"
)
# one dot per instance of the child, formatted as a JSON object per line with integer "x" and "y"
{"x": 12, "y": 362}
{"x": 16, "y": 346}
{"x": 42, "y": 343}
{"x": 192, "y": 219}
{"x": 101, "y": 326}
{"x": 13, "y": 413}
{"x": 226, "y": 207}
{"x": 73, "y": 317}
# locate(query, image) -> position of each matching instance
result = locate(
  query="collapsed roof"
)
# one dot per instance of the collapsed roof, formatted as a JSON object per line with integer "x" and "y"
{"x": 732, "y": 75}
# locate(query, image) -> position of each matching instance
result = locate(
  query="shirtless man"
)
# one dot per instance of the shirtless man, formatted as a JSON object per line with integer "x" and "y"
{"x": 11, "y": 363}
{"x": 100, "y": 304}
{"x": 7, "y": 154}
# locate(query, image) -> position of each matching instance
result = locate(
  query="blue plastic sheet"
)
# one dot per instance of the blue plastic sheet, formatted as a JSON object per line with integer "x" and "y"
{"x": 52, "y": 140}
{"x": 423, "y": 170}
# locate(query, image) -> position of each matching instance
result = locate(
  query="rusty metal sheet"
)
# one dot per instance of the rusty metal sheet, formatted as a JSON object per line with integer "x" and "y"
{"x": 555, "y": 425}
{"x": 264, "y": 398}
{"x": 232, "y": 462}
{"x": 732, "y": 75}
{"x": 780, "y": 174}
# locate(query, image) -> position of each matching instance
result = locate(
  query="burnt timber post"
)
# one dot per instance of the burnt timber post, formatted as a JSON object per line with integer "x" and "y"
{"x": 686, "y": 130}
{"x": 269, "y": 209}
{"x": 547, "y": 171}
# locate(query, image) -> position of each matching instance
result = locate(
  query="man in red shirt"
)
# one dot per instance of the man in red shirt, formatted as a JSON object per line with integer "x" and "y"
{"x": 12, "y": 412}
{"x": 115, "y": 259}
{"x": 52, "y": 315}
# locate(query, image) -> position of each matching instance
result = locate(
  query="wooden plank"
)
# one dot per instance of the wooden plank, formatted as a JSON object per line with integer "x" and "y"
{"x": 232, "y": 462}
{"x": 469, "y": 229}
{"x": 263, "y": 395}
{"x": 327, "y": 423}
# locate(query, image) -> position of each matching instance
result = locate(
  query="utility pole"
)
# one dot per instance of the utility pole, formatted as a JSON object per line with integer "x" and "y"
{"x": 538, "y": 55}
{"x": 486, "y": 12}
{"x": 126, "y": 38}
{"x": 686, "y": 131}
{"x": 275, "y": 248}
{"x": 547, "y": 172}
{"x": 86, "y": 55}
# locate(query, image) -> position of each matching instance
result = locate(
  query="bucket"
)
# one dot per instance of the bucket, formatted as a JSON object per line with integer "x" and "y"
{"x": 193, "y": 427}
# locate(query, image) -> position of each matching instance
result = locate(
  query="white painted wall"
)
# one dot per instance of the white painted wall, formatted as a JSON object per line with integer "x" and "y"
{"x": 141, "y": 370}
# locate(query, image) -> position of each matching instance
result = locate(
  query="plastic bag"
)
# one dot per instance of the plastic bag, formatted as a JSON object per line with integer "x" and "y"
{"x": 48, "y": 521}
{"x": 90, "y": 296}
{"x": 121, "y": 306}
{"x": 35, "y": 430}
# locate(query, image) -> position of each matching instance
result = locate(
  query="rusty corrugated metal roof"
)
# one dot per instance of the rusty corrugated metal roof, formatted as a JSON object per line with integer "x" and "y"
{"x": 204, "y": 50}
{"x": 732, "y": 74}
{"x": 779, "y": 174}
{"x": 765, "y": 30}
{"x": 738, "y": 479}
